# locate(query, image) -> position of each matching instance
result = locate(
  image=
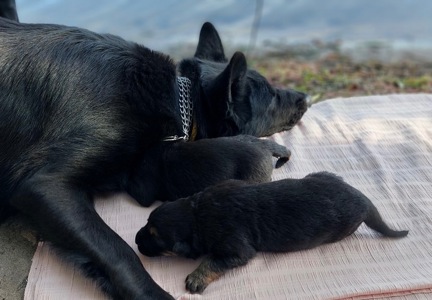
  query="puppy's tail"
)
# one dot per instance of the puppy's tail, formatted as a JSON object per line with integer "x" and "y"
{"x": 374, "y": 221}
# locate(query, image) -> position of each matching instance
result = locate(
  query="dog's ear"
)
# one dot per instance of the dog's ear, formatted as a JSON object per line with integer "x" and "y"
{"x": 232, "y": 81}
{"x": 210, "y": 45}
{"x": 237, "y": 67}
{"x": 226, "y": 94}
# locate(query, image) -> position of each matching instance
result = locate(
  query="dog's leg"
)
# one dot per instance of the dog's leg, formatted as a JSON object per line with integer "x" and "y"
{"x": 65, "y": 216}
{"x": 216, "y": 264}
{"x": 143, "y": 188}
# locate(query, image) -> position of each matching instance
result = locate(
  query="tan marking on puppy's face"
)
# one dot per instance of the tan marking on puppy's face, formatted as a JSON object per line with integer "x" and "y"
{"x": 153, "y": 231}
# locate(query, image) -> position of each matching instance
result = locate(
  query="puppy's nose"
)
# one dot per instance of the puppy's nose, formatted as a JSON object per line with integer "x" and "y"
{"x": 139, "y": 235}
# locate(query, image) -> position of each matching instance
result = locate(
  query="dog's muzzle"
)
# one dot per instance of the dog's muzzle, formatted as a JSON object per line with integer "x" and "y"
{"x": 186, "y": 109}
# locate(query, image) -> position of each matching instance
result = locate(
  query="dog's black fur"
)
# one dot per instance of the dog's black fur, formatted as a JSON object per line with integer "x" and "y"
{"x": 8, "y": 10}
{"x": 233, "y": 99}
{"x": 80, "y": 110}
{"x": 233, "y": 220}
{"x": 169, "y": 172}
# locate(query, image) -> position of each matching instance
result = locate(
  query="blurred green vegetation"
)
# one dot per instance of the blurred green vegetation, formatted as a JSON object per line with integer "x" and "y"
{"x": 325, "y": 71}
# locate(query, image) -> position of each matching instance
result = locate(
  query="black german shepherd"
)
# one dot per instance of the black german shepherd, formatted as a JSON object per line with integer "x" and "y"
{"x": 8, "y": 9}
{"x": 234, "y": 99}
{"x": 80, "y": 110}
{"x": 233, "y": 220}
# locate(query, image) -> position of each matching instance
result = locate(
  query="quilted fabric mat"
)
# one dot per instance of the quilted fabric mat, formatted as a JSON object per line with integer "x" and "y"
{"x": 382, "y": 145}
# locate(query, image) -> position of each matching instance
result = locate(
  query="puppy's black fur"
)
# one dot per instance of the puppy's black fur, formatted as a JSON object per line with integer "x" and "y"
{"x": 171, "y": 171}
{"x": 80, "y": 110}
{"x": 233, "y": 220}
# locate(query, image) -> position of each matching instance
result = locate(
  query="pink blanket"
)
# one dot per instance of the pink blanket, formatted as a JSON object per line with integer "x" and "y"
{"x": 382, "y": 145}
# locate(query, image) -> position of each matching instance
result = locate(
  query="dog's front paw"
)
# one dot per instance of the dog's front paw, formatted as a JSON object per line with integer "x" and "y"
{"x": 196, "y": 283}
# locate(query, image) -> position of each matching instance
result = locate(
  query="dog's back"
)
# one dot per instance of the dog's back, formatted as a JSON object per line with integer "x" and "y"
{"x": 46, "y": 107}
{"x": 39, "y": 121}
{"x": 74, "y": 100}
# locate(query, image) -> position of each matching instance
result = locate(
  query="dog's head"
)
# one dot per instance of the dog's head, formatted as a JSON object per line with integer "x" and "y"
{"x": 169, "y": 232}
{"x": 240, "y": 100}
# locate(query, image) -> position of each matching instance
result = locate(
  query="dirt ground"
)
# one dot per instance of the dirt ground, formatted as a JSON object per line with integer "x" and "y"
{"x": 17, "y": 246}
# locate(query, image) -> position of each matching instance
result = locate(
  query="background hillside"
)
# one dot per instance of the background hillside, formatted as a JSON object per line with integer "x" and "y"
{"x": 326, "y": 48}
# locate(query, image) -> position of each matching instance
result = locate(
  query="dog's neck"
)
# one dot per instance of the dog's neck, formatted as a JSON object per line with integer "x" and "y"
{"x": 201, "y": 110}
{"x": 185, "y": 106}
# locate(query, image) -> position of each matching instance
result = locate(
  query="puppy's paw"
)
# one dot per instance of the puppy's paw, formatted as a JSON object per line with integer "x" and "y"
{"x": 196, "y": 283}
{"x": 207, "y": 272}
{"x": 198, "y": 280}
{"x": 281, "y": 161}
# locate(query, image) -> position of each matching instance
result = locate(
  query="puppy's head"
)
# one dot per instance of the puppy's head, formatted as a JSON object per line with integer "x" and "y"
{"x": 169, "y": 231}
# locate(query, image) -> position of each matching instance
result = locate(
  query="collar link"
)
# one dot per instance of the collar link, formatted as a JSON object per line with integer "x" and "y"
{"x": 186, "y": 110}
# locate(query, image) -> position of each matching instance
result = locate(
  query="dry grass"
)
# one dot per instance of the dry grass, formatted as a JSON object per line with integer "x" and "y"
{"x": 337, "y": 75}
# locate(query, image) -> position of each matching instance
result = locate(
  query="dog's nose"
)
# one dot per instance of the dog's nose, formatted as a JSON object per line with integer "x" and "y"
{"x": 309, "y": 100}
{"x": 303, "y": 100}
{"x": 297, "y": 100}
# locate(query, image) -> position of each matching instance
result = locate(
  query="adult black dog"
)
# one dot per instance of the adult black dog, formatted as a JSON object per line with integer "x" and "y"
{"x": 171, "y": 171}
{"x": 78, "y": 112}
{"x": 233, "y": 220}
{"x": 8, "y": 9}
{"x": 235, "y": 100}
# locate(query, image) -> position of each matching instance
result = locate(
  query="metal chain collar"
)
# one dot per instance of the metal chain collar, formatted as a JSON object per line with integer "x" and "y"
{"x": 186, "y": 105}
{"x": 186, "y": 108}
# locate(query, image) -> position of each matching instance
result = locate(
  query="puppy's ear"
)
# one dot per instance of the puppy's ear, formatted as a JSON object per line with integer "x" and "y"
{"x": 210, "y": 45}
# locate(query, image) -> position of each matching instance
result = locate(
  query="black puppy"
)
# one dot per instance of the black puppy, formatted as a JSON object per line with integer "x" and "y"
{"x": 171, "y": 171}
{"x": 233, "y": 220}
{"x": 80, "y": 110}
